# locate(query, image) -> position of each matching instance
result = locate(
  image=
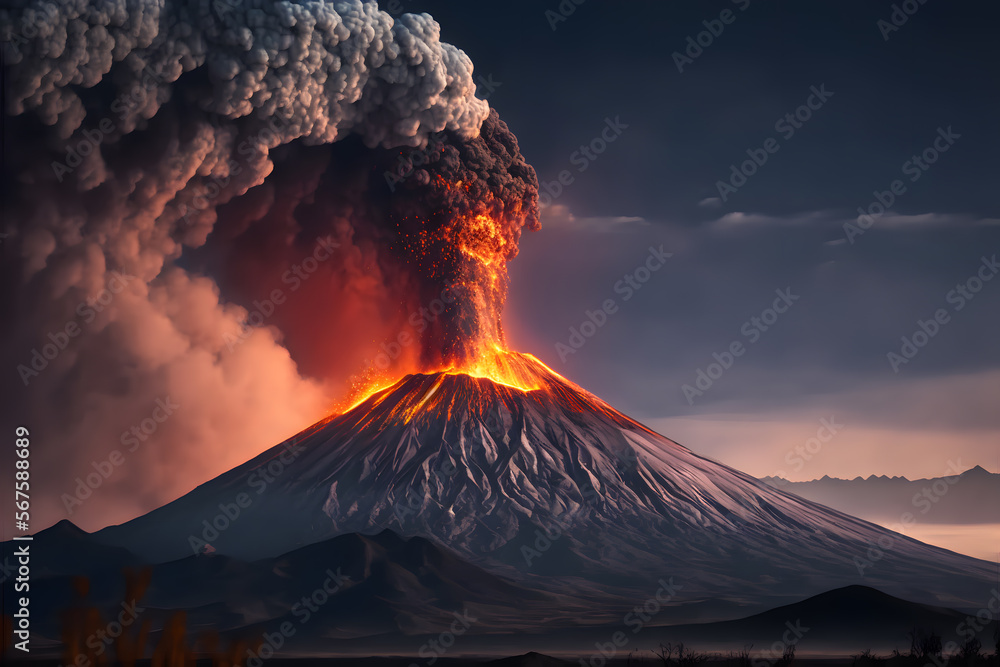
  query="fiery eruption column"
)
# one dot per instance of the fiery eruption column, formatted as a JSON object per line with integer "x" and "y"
{"x": 459, "y": 222}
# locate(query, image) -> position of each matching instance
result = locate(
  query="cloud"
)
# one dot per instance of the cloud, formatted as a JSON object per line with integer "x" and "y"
{"x": 890, "y": 221}
{"x": 740, "y": 219}
{"x": 560, "y": 217}
{"x": 926, "y": 220}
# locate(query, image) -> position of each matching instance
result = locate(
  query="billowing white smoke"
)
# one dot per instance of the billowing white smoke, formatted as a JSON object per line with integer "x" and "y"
{"x": 129, "y": 123}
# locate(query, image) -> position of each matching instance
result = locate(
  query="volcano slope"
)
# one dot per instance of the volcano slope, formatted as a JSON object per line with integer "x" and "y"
{"x": 549, "y": 486}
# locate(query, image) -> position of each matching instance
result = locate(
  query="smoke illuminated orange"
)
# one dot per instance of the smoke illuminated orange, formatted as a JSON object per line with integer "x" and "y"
{"x": 474, "y": 249}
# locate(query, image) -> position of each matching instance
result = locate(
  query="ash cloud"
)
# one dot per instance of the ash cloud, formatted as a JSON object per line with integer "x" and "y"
{"x": 197, "y": 212}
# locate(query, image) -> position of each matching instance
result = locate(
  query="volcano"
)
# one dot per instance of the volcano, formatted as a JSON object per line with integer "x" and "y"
{"x": 532, "y": 478}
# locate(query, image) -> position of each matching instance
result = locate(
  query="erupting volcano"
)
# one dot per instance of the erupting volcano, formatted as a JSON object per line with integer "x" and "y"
{"x": 286, "y": 190}
{"x": 491, "y": 455}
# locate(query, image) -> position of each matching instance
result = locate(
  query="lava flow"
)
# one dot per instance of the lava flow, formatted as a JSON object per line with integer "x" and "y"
{"x": 514, "y": 370}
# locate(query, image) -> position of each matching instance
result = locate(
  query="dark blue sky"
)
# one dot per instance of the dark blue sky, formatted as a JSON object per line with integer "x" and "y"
{"x": 784, "y": 227}
{"x": 685, "y": 129}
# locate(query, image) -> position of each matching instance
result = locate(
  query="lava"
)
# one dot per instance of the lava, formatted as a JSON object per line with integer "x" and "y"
{"x": 507, "y": 376}
{"x": 506, "y": 380}
{"x": 514, "y": 370}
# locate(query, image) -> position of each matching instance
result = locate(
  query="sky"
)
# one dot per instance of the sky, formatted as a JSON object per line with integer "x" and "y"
{"x": 701, "y": 263}
{"x": 888, "y": 92}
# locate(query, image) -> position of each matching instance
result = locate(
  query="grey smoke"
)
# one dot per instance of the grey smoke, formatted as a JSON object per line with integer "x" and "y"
{"x": 129, "y": 124}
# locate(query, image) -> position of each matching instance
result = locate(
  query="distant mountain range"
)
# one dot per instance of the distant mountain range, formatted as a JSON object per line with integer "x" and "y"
{"x": 972, "y": 497}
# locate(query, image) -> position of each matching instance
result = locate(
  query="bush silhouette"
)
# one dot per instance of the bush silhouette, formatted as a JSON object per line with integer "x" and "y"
{"x": 678, "y": 656}
{"x": 866, "y": 659}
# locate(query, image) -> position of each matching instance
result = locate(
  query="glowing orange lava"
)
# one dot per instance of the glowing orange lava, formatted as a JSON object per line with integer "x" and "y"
{"x": 506, "y": 386}
{"x": 516, "y": 370}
